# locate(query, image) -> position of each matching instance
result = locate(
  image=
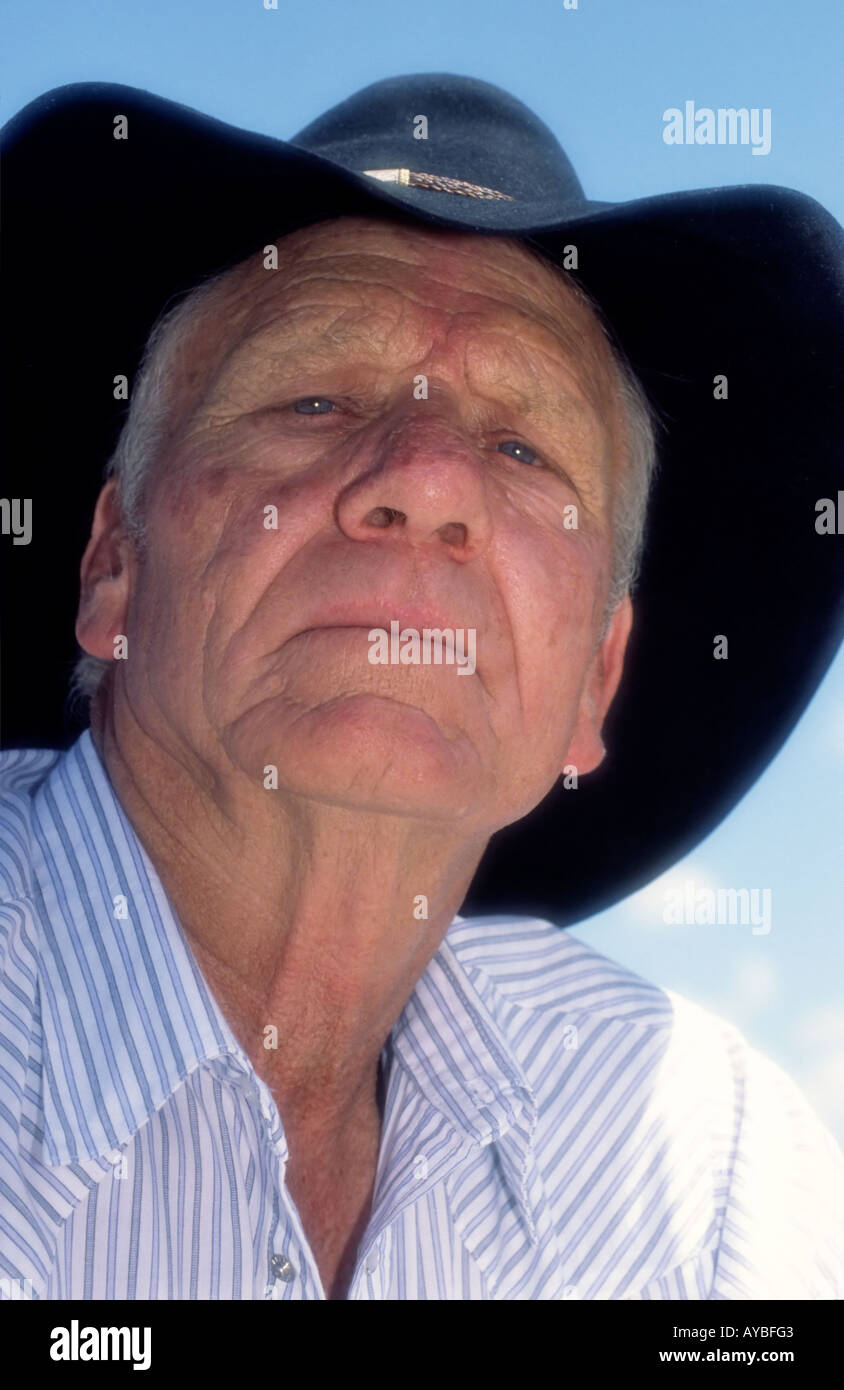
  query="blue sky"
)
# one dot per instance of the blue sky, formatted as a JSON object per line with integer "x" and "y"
{"x": 601, "y": 77}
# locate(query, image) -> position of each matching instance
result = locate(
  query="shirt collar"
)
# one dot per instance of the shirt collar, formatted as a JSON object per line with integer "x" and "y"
{"x": 127, "y": 1014}
{"x": 452, "y": 1038}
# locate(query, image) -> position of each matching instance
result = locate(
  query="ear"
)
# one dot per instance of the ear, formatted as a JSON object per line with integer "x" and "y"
{"x": 586, "y": 749}
{"x": 104, "y": 578}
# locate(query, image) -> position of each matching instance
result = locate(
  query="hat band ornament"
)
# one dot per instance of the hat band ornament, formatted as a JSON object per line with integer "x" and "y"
{"x": 440, "y": 183}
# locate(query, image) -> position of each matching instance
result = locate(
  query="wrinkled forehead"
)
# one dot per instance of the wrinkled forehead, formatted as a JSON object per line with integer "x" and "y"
{"x": 325, "y": 272}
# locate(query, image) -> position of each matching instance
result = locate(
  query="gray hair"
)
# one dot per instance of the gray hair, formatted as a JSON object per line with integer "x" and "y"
{"x": 140, "y": 441}
{"x": 146, "y": 427}
{"x": 641, "y": 422}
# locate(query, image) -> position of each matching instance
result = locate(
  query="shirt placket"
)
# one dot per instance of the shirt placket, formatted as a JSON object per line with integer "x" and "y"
{"x": 289, "y": 1269}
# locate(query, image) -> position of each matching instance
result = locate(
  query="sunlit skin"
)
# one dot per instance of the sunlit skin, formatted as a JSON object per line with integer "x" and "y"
{"x": 248, "y": 647}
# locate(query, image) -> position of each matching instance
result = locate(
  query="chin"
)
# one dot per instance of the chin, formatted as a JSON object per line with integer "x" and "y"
{"x": 363, "y": 751}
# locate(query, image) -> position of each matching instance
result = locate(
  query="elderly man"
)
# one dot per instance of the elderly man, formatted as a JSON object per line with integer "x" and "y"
{"x": 296, "y": 392}
{"x": 276, "y": 1060}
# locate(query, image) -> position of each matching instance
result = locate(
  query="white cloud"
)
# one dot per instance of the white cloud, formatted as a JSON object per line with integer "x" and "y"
{"x": 821, "y": 1027}
{"x": 648, "y": 905}
{"x": 755, "y": 983}
{"x": 822, "y": 1084}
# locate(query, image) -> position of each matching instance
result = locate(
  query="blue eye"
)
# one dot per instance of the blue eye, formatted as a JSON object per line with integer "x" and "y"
{"x": 313, "y": 405}
{"x": 522, "y": 452}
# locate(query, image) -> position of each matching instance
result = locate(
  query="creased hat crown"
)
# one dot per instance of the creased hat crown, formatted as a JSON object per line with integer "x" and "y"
{"x": 475, "y": 131}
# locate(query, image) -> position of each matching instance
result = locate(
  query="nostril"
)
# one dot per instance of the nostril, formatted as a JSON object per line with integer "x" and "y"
{"x": 384, "y": 516}
{"x": 453, "y": 533}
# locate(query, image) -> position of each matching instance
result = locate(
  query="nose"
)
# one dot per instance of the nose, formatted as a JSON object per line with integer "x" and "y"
{"x": 425, "y": 487}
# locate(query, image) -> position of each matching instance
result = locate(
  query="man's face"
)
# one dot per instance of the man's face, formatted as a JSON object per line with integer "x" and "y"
{"x": 300, "y": 391}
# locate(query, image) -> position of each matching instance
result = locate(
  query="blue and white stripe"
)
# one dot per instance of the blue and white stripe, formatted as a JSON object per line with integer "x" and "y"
{"x": 555, "y": 1127}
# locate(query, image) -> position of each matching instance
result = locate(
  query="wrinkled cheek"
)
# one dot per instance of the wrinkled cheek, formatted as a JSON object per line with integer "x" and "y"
{"x": 163, "y": 608}
{"x": 188, "y": 504}
{"x": 155, "y": 615}
{"x": 578, "y": 591}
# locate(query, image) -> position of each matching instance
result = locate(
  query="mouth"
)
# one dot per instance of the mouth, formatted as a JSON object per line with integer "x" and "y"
{"x": 346, "y": 616}
{"x": 392, "y": 642}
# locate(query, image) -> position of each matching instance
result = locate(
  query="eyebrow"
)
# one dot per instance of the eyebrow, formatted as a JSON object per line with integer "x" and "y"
{"x": 274, "y": 344}
{"x": 534, "y": 395}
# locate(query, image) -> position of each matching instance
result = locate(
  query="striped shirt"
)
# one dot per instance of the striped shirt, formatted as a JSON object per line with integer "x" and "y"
{"x": 554, "y": 1126}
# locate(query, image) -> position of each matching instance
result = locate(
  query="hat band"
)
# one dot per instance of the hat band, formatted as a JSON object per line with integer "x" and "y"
{"x": 440, "y": 183}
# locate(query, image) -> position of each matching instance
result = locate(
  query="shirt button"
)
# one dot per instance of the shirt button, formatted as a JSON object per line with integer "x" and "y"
{"x": 281, "y": 1268}
{"x": 481, "y": 1092}
{"x": 373, "y": 1259}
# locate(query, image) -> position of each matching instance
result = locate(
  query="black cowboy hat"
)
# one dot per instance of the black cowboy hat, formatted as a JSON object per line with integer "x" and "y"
{"x": 102, "y": 231}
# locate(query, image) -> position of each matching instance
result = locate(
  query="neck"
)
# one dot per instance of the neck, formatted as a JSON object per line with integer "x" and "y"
{"x": 303, "y": 917}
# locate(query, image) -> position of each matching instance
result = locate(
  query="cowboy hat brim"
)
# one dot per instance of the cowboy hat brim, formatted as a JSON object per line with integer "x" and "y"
{"x": 745, "y": 283}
